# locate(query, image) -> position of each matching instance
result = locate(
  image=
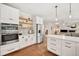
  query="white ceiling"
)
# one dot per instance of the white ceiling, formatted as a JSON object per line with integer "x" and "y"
{"x": 46, "y": 10}
{"x": 41, "y": 9}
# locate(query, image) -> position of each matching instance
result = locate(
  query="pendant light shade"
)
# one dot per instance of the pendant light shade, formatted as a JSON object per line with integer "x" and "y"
{"x": 56, "y": 13}
{"x": 70, "y": 16}
{"x": 56, "y": 19}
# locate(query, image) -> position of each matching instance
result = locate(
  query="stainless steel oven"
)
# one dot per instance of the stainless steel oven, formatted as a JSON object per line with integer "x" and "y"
{"x": 9, "y": 38}
{"x": 8, "y": 33}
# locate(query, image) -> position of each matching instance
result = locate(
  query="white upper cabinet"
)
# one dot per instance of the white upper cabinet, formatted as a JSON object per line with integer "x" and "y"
{"x": 75, "y": 10}
{"x": 9, "y": 14}
{"x": 63, "y": 11}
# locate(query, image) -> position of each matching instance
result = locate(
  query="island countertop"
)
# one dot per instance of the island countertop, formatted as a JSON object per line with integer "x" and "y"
{"x": 70, "y": 38}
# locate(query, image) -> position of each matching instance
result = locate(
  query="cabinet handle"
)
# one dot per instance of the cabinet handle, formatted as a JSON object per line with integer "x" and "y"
{"x": 22, "y": 37}
{"x": 53, "y": 44}
{"x": 67, "y": 43}
{"x": 10, "y": 18}
{"x": 67, "y": 46}
{"x": 53, "y": 39}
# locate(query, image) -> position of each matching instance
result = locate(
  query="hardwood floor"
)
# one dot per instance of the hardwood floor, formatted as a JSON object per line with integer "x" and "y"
{"x": 34, "y": 50}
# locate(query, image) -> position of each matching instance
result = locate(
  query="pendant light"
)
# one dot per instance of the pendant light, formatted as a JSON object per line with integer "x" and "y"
{"x": 70, "y": 12}
{"x": 56, "y": 13}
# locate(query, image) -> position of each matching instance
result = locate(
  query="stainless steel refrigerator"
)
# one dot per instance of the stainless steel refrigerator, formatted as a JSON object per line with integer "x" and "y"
{"x": 39, "y": 33}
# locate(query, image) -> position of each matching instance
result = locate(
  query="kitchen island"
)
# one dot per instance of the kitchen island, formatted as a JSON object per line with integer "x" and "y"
{"x": 63, "y": 45}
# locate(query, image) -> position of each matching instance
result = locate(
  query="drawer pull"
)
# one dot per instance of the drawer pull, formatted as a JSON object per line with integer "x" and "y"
{"x": 53, "y": 39}
{"x": 67, "y": 43}
{"x": 10, "y": 18}
{"x": 67, "y": 46}
{"x": 22, "y": 37}
{"x": 53, "y": 44}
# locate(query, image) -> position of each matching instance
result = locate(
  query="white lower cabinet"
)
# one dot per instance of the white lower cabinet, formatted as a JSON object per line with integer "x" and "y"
{"x": 77, "y": 49}
{"x": 23, "y": 44}
{"x": 54, "y": 45}
{"x": 5, "y": 49}
{"x": 31, "y": 40}
{"x": 34, "y": 39}
{"x": 62, "y": 47}
{"x": 23, "y": 41}
{"x": 27, "y": 40}
{"x": 68, "y": 48}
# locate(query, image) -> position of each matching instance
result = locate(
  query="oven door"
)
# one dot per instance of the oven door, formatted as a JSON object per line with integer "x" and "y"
{"x": 9, "y": 38}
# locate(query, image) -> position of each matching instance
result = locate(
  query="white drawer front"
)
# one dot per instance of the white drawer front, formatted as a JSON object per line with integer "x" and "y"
{"x": 68, "y": 48}
{"x": 23, "y": 44}
{"x": 5, "y": 49}
{"x": 53, "y": 50}
{"x": 53, "y": 45}
{"x": 53, "y": 40}
{"x": 77, "y": 49}
{"x": 69, "y": 43}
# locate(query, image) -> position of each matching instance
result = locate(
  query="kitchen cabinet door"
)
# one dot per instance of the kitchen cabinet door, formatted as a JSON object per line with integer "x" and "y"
{"x": 77, "y": 49}
{"x": 26, "y": 40}
{"x": 31, "y": 40}
{"x": 54, "y": 45}
{"x": 14, "y": 16}
{"x": 23, "y": 41}
{"x": 59, "y": 46}
{"x": 68, "y": 48}
{"x": 23, "y": 38}
{"x": 4, "y": 13}
{"x": 23, "y": 44}
{"x": 9, "y": 14}
{"x": 34, "y": 39}
{"x": 5, "y": 49}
